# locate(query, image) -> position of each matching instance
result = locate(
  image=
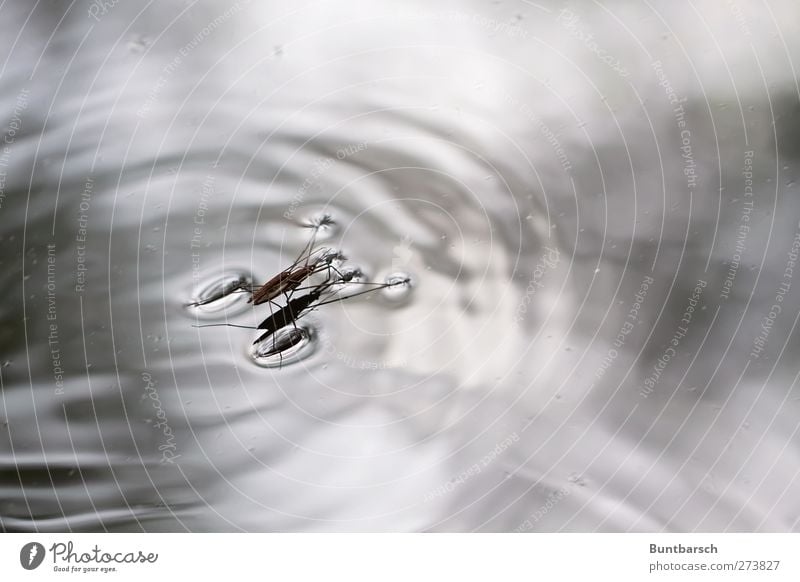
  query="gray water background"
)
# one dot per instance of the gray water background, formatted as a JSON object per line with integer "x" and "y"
{"x": 521, "y": 161}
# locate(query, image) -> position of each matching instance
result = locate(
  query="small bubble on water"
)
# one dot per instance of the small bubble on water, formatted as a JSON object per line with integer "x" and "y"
{"x": 576, "y": 479}
{"x": 138, "y": 43}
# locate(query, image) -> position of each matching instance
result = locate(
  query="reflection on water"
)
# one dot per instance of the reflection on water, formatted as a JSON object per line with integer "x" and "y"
{"x": 530, "y": 184}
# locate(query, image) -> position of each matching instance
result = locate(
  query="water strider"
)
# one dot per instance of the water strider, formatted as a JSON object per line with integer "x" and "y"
{"x": 296, "y": 307}
{"x": 308, "y": 263}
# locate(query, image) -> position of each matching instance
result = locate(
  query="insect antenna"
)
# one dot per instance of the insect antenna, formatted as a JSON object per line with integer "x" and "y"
{"x": 378, "y": 287}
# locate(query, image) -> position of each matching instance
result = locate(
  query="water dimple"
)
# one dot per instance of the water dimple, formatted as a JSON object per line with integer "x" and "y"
{"x": 399, "y": 287}
{"x": 225, "y": 293}
{"x": 286, "y": 346}
{"x": 321, "y": 221}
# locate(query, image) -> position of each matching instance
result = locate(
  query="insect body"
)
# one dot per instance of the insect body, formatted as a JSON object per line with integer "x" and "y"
{"x": 291, "y": 278}
{"x": 295, "y": 307}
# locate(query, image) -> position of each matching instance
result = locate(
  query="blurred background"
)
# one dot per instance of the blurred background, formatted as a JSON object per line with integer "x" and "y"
{"x": 596, "y": 203}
